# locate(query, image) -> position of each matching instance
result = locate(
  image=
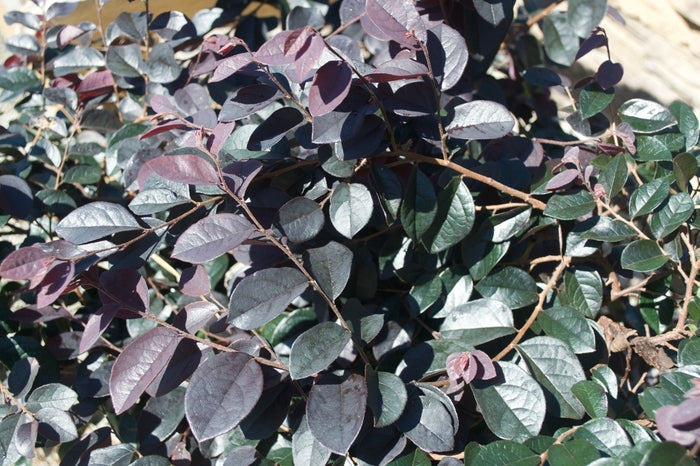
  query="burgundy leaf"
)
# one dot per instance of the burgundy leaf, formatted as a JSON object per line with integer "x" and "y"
{"x": 218, "y": 137}
{"x": 126, "y": 289}
{"x": 139, "y": 364}
{"x": 329, "y": 87}
{"x": 67, "y": 34}
{"x": 162, "y": 105}
{"x": 36, "y": 314}
{"x": 609, "y": 74}
{"x": 272, "y": 130}
{"x": 248, "y": 100}
{"x": 194, "y": 316}
{"x": 62, "y": 249}
{"x": 96, "y": 325}
{"x": 211, "y": 237}
{"x": 194, "y": 281}
{"x": 397, "y": 19}
{"x": 665, "y": 416}
{"x": 25, "y": 263}
{"x": 596, "y": 40}
{"x": 186, "y": 358}
{"x": 397, "y": 69}
{"x": 95, "y": 83}
{"x": 221, "y": 43}
{"x": 163, "y": 126}
{"x": 624, "y": 132}
{"x": 609, "y": 149}
{"x": 563, "y": 178}
{"x": 297, "y": 41}
{"x": 307, "y": 60}
{"x": 185, "y": 168}
{"x": 273, "y": 53}
{"x": 54, "y": 283}
{"x": 221, "y": 393}
{"x": 239, "y": 175}
{"x": 467, "y": 366}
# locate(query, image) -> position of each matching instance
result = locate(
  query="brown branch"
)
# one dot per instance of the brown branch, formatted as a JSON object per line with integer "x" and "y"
{"x": 565, "y": 261}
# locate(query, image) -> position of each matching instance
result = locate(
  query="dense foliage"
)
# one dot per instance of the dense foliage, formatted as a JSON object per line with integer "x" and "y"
{"x": 363, "y": 232}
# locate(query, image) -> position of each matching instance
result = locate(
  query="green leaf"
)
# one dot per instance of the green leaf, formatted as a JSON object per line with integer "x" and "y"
{"x": 59, "y": 426}
{"x": 419, "y": 206}
{"x": 643, "y": 255}
{"x": 583, "y": 291}
{"x": 316, "y": 348}
{"x": 364, "y": 325}
{"x": 603, "y": 229}
{"x": 424, "y": 293}
{"x": 670, "y": 390}
{"x": 18, "y": 79}
{"x": 614, "y": 175}
{"x": 592, "y": 396}
{"x": 459, "y": 294}
{"x": 572, "y": 453}
{"x": 82, "y": 174}
{"x": 673, "y": 213}
{"x": 412, "y": 457}
{"x": 482, "y": 256}
{"x": 645, "y": 116}
{"x": 350, "y": 208}
{"x": 555, "y": 366}
{"x": 478, "y": 321}
{"x": 636, "y": 432}
{"x": 330, "y": 266}
{"x": 289, "y": 325}
{"x": 687, "y": 123}
{"x": 568, "y": 325}
{"x": 503, "y": 452}
{"x": 689, "y": 352}
{"x": 648, "y": 196}
{"x": 52, "y": 395}
{"x": 512, "y": 286}
{"x": 585, "y": 15}
{"x": 560, "y": 41}
{"x": 606, "y": 378}
{"x": 653, "y": 453}
{"x": 513, "y": 405}
{"x": 386, "y": 396}
{"x": 606, "y": 435}
{"x": 503, "y": 226}
{"x": 389, "y": 189}
{"x": 114, "y": 455}
{"x": 570, "y": 206}
{"x": 685, "y": 167}
{"x": 594, "y": 99}
{"x": 427, "y": 420}
{"x": 652, "y": 149}
{"x": 454, "y": 217}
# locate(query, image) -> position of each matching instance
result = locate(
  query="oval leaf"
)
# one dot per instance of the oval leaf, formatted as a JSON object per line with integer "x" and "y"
{"x": 336, "y": 409}
{"x": 350, "y": 208}
{"x": 211, "y": 237}
{"x": 300, "y": 219}
{"x": 386, "y": 396}
{"x": 645, "y": 116}
{"x": 454, "y": 217}
{"x": 330, "y": 266}
{"x": 480, "y": 119}
{"x": 261, "y": 297}
{"x": 185, "y": 168}
{"x": 643, "y": 255}
{"x": 94, "y": 221}
{"x": 316, "y": 348}
{"x": 329, "y": 87}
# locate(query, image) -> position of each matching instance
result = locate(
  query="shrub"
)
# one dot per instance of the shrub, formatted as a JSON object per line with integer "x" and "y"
{"x": 359, "y": 233}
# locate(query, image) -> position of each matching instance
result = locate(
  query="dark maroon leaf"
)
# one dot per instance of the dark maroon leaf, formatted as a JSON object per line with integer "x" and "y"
{"x": 609, "y": 74}
{"x": 194, "y": 281}
{"x": 562, "y": 179}
{"x": 397, "y": 69}
{"x": 221, "y": 393}
{"x": 54, "y": 283}
{"x": 211, "y": 237}
{"x": 184, "y": 361}
{"x": 25, "y": 263}
{"x": 624, "y": 132}
{"x": 126, "y": 289}
{"x": 541, "y": 76}
{"x": 269, "y": 413}
{"x": 248, "y": 100}
{"x": 448, "y": 54}
{"x": 219, "y": 136}
{"x": 139, "y": 364}
{"x": 597, "y": 39}
{"x": 336, "y": 409}
{"x": 64, "y": 346}
{"x": 95, "y": 84}
{"x": 194, "y": 316}
{"x": 398, "y": 20}
{"x": 15, "y": 196}
{"x": 609, "y": 149}
{"x": 96, "y": 325}
{"x": 185, "y": 168}
{"x": 40, "y": 314}
{"x": 329, "y": 87}
{"x": 22, "y": 376}
{"x": 274, "y": 128}
{"x": 264, "y": 295}
{"x": 164, "y": 126}
{"x": 239, "y": 175}
{"x": 366, "y": 142}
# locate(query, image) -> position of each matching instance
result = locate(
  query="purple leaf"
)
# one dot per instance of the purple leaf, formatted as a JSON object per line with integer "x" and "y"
{"x": 397, "y": 69}
{"x": 94, "y": 221}
{"x": 562, "y": 179}
{"x": 329, "y": 87}
{"x": 221, "y": 393}
{"x": 397, "y": 19}
{"x": 211, "y": 237}
{"x": 95, "y": 83}
{"x": 609, "y": 74}
{"x": 274, "y": 128}
{"x": 15, "y": 196}
{"x": 24, "y": 439}
{"x": 665, "y": 416}
{"x": 596, "y": 40}
{"x": 185, "y": 168}
{"x": 139, "y": 364}
{"x": 164, "y": 126}
{"x": 219, "y": 136}
{"x": 480, "y": 119}
{"x": 248, "y": 100}
{"x": 96, "y": 325}
{"x": 448, "y": 58}
{"x": 468, "y": 366}
{"x": 264, "y": 295}
{"x": 54, "y": 283}
{"x": 194, "y": 281}
{"x": 125, "y": 289}
{"x": 624, "y": 132}
{"x": 25, "y": 263}
{"x": 273, "y": 52}
{"x": 308, "y": 58}
{"x": 194, "y": 316}
{"x": 336, "y": 409}
{"x": 238, "y": 175}
{"x": 36, "y": 314}
{"x": 184, "y": 361}
{"x": 230, "y": 66}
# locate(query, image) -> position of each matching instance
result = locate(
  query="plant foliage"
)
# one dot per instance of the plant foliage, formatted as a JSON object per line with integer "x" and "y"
{"x": 355, "y": 232}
